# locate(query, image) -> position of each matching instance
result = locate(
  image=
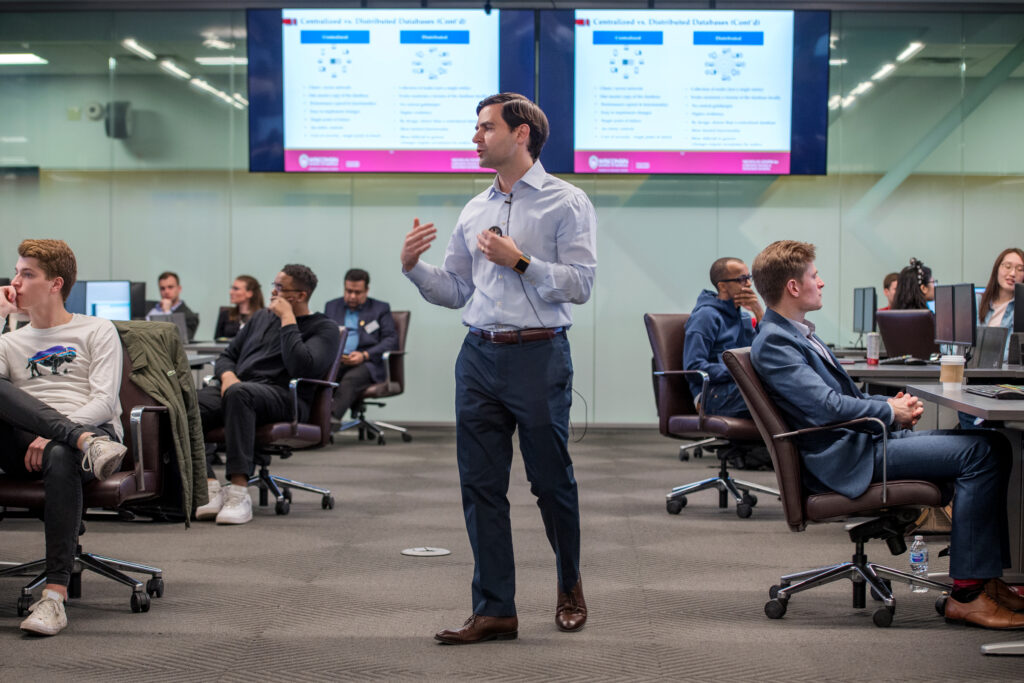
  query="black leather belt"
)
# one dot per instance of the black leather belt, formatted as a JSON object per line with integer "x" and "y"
{"x": 518, "y": 336}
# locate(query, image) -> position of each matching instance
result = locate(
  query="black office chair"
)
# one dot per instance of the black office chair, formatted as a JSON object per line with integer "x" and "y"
{"x": 393, "y": 385}
{"x": 142, "y": 478}
{"x": 283, "y": 438}
{"x": 679, "y": 419}
{"x": 892, "y": 506}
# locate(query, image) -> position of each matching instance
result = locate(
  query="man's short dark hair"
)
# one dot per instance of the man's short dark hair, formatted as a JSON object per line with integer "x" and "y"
{"x": 889, "y": 279}
{"x": 302, "y": 276}
{"x": 515, "y": 111}
{"x": 166, "y": 274}
{"x": 720, "y": 269}
{"x": 357, "y": 275}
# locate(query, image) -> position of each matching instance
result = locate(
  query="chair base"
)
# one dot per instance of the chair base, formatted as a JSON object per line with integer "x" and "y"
{"x": 370, "y": 429}
{"x": 863, "y": 574}
{"x": 281, "y": 488}
{"x": 107, "y": 567}
{"x": 740, "y": 491}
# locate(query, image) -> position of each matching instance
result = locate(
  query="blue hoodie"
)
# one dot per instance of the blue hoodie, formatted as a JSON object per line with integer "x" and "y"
{"x": 714, "y": 326}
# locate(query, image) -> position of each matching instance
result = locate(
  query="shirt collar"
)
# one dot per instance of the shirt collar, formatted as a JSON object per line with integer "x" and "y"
{"x": 533, "y": 177}
{"x": 805, "y": 327}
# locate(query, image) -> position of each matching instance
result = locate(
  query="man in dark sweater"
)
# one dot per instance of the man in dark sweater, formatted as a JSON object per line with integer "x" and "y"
{"x": 281, "y": 342}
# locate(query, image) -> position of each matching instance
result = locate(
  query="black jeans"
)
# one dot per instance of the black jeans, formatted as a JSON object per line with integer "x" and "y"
{"x": 352, "y": 381}
{"x": 243, "y": 407}
{"x": 22, "y": 419}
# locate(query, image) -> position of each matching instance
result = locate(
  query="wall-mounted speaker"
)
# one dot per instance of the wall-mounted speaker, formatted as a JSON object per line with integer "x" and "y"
{"x": 118, "y": 123}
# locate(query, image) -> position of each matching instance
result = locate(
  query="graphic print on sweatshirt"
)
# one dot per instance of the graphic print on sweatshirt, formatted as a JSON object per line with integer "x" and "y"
{"x": 52, "y": 358}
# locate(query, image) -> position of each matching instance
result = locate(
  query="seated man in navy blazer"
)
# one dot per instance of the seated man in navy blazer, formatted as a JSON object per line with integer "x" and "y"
{"x": 371, "y": 332}
{"x": 811, "y": 389}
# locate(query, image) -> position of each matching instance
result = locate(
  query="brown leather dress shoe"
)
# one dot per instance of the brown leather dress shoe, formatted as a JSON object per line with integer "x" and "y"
{"x": 571, "y": 613}
{"x": 998, "y": 590}
{"x": 479, "y": 628}
{"x": 983, "y": 611}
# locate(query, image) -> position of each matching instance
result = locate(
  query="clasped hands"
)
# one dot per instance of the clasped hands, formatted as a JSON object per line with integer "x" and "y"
{"x": 908, "y": 409}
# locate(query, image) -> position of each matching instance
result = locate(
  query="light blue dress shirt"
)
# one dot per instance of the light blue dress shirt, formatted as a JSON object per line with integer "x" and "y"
{"x": 551, "y": 221}
{"x": 352, "y": 323}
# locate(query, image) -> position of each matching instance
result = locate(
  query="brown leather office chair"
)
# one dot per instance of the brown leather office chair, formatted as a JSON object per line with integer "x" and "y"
{"x": 283, "y": 438}
{"x": 679, "y": 419}
{"x": 893, "y": 507}
{"x": 142, "y": 477}
{"x": 393, "y": 385}
{"x": 907, "y": 333}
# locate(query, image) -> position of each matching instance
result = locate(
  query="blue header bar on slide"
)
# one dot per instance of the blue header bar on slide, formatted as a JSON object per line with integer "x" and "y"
{"x": 628, "y": 38}
{"x": 435, "y": 37}
{"x": 728, "y": 37}
{"x": 349, "y": 37}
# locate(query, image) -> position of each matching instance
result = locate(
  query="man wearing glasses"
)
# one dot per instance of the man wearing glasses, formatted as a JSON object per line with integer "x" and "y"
{"x": 722, "y": 319}
{"x": 283, "y": 341}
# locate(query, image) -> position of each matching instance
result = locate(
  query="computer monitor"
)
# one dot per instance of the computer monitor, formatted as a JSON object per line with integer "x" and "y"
{"x": 75, "y": 302}
{"x": 965, "y": 315}
{"x": 1018, "y": 303}
{"x": 110, "y": 299}
{"x": 4, "y": 281}
{"x": 865, "y": 302}
{"x": 944, "y": 314}
{"x": 138, "y": 301}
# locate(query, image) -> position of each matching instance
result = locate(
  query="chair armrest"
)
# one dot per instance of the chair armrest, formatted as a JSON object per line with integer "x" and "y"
{"x": 293, "y": 386}
{"x": 703, "y": 388}
{"x": 135, "y": 427}
{"x": 386, "y": 357}
{"x": 848, "y": 423}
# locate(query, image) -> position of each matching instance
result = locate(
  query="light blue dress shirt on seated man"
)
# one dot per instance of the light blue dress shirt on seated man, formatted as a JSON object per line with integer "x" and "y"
{"x": 552, "y": 222}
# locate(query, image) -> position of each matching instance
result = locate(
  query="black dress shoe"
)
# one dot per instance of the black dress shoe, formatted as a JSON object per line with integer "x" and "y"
{"x": 571, "y": 613}
{"x": 479, "y": 628}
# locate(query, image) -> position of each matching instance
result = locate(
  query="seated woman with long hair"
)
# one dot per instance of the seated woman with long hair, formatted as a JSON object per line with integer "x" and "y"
{"x": 247, "y": 298}
{"x": 915, "y": 287}
{"x": 996, "y": 306}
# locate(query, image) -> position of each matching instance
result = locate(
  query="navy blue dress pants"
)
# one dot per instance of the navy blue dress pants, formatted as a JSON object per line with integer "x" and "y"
{"x": 499, "y": 388}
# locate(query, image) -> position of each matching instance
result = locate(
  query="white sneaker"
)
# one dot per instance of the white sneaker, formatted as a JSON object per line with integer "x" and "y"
{"x": 47, "y": 616}
{"x": 237, "y": 506}
{"x": 103, "y": 457}
{"x": 216, "y": 498}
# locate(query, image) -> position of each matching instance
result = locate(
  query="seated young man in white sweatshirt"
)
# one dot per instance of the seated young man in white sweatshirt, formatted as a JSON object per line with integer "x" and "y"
{"x": 59, "y": 408}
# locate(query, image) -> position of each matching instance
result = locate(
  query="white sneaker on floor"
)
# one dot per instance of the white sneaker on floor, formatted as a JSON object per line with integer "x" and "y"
{"x": 103, "y": 457}
{"x": 216, "y": 495}
{"x": 47, "y": 616}
{"x": 237, "y": 506}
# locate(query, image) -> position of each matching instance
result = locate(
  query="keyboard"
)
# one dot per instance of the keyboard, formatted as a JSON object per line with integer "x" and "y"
{"x": 903, "y": 360}
{"x": 1000, "y": 391}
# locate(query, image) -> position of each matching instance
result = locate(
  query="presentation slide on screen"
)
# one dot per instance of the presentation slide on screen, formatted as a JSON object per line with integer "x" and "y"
{"x": 683, "y": 91}
{"x": 385, "y": 90}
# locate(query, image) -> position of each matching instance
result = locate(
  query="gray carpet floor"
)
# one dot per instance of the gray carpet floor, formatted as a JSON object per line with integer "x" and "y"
{"x": 327, "y": 594}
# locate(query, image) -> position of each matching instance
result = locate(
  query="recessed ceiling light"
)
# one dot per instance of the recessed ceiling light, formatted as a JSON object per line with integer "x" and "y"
{"x": 10, "y": 58}
{"x": 883, "y": 72}
{"x": 837, "y": 62}
{"x": 910, "y": 51}
{"x": 133, "y": 45}
{"x": 238, "y": 96}
{"x": 223, "y": 61}
{"x": 173, "y": 69}
{"x": 862, "y": 87}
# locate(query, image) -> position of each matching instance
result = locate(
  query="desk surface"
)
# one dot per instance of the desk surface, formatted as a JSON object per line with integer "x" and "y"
{"x": 865, "y": 371}
{"x": 972, "y": 404}
{"x": 198, "y": 360}
{"x": 206, "y": 347}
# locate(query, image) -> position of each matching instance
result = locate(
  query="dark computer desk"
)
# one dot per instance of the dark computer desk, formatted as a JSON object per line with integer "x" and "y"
{"x": 899, "y": 375}
{"x": 206, "y": 347}
{"x": 1011, "y": 413}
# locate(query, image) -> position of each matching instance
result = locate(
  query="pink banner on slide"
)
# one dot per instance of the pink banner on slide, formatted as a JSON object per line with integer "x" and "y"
{"x": 681, "y": 162}
{"x": 382, "y": 161}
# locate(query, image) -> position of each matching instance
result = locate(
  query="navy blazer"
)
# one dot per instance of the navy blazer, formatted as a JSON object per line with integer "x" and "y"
{"x": 811, "y": 392}
{"x": 383, "y": 338}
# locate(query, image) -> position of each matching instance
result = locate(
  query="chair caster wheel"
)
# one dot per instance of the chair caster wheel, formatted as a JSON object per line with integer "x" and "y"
{"x": 282, "y": 507}
{"x": 773, "y": 592}
{"x": 775, "y": 608}
{"x": 676, "y": 505}
{"x": 743, "y": 510}
{"x": 684, "y": 456}
{"x": 940, "y": 605}
{"x": 287, "y": 493}
{"x": 749, "y": 498}
{"x": 327, "y": 502}
{"x": 380, "y": 440}
{"x": 155, "y": 587}
{"x": 883, "y": 616}
{"x": 24, "y": 602}
{"x": 406, "y": 437}
{"x": 140, "y": 602}
{"x": 874, "y": 593}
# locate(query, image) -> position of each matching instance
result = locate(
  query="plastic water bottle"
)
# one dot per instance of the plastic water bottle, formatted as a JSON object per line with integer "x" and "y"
{"x": 919, "y": 563}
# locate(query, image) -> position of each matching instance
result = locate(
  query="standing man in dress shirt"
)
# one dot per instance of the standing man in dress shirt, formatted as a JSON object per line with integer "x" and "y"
{"x": 525, "y": 251}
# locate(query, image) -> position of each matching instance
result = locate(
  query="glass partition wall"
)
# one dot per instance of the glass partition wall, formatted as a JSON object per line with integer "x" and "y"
{"x": 126, "y": 135}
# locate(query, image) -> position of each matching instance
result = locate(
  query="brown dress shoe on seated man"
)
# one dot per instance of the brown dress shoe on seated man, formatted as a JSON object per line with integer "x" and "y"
{"x": 983, "y": 611}
{"x": 479, "y": 628}
{"x": 1004, "y": 594}
{"x": 571, "y": 613}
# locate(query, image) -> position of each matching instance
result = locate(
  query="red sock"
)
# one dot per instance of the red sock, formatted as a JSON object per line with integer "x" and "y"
{"x": 967, "y": 584}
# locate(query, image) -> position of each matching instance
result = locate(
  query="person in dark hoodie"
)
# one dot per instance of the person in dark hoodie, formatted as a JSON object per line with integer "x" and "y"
{"x": 722, "y": 319}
